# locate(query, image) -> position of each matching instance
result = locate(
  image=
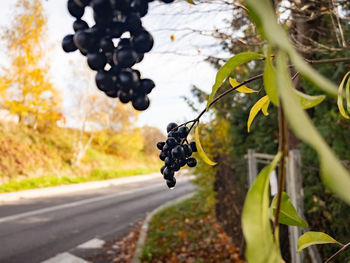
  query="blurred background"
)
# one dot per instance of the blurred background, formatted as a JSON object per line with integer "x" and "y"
{"x": 52, "y": 112}
{"x": 57, "y": 128}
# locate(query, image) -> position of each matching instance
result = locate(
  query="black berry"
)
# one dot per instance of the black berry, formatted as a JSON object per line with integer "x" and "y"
{"x": 96, "y": 61}
{"x": 104, "y": 81}
{"x": 171, "y": 126}
{"x": 80, "y": 25}
{"x": 171, "y": 183}
{"x": 191, "y": 162}
{"x": 68, "y": 44}
{"x": 171, "y": 142}
{"x": 125, "y": 57}
{"x": 160, "y": 145}
{"x": 193, "y": 146}
{"x": 141, "y": 103}
{"x": 74, "y": 9}
{"x": 168, "y": 173}
{"x": 162, "y": 156}
{"x": 178, "y": 152}
{"x": 147, "y": 85}
{"x": 142, "y": 42}
{"x": 183, "y": 131}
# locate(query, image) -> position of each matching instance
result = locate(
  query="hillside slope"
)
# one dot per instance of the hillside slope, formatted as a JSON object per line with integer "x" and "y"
{"x": 27, "y": 154}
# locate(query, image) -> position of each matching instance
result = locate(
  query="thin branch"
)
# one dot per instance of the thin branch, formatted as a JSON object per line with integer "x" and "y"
{"x": 196, "y": 120}
{"x": 335, "y": 10}
{"x": 333, "y": 23}
{"x": 325, "y": 61}
{"x": 338, "y": 252}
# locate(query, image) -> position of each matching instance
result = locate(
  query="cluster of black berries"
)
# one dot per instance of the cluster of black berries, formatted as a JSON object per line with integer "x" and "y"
{"x": 175, "y": 152}
{"x": 107, "y": 52}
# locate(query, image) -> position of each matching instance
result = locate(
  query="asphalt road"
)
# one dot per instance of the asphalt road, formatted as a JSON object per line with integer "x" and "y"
{"x": 33, "y": 230}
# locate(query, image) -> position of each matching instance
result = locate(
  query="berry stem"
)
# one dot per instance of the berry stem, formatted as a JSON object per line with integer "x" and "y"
{"x": 196, "y": 120}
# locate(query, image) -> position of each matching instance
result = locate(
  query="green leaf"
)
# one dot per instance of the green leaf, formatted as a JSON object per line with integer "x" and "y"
{"x": 277, "y": 36}
{"x": 333, "y": 173}
{"x": 269, "y": 79}
{"x": 256, "y": 108}
{"x": 228, "y": 67}
{"x": 346, "y": 82}
{"x": 256, "y": 226}
{"x": 201, "y": 152}
{"x": 308, "y": 101}
{"x": 190, "y": 2}
{"x": 243, "y": 89}
{"x": 313, "y": 238}
{"x": 288, "y": 215}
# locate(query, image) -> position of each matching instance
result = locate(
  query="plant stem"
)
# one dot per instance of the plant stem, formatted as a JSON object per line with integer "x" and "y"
{"x": 338, "y": 252}
{"x": 196, "y": 120}
{"x": 283, "y": 148}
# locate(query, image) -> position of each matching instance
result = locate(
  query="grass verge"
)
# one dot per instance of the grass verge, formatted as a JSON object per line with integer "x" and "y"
{"x": 187, "y": 232}
{"x": 95, "y": 175}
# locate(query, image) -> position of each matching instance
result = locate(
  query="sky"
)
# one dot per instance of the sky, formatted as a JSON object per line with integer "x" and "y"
{"x": 174, "y": 66}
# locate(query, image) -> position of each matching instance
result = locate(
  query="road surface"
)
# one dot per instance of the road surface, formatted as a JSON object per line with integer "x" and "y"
{"x": 33, "y": 230}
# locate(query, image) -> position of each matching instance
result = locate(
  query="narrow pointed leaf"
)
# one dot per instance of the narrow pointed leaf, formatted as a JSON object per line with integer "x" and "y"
{"x": 243, "y": 89}
{"x": 288, "y": 214}
{"x": 256, "y": 226}
{"x": 308, "y": 101}
{"x": 333, "y": 173}
{"x": 201, "y": 152}
{"x": 265, "y": 107}
{"x": 345, "y": 81}
{"x": 269, "y": 79}
{"x": 255, "y": 110}
{"x": 228, "y": 67}
{"x": 313, "y": 238}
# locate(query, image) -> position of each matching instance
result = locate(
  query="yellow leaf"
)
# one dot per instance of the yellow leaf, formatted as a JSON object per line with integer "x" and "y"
{"x": 256, "y": 108}
{"x": 243, "y": 89}
{"x": 265, "y": 107}
{"x": 201, "y": 152}
{"x": 345, "y": 81}
{"x": 348, "y": 95}
{"x": 172, "y": 37}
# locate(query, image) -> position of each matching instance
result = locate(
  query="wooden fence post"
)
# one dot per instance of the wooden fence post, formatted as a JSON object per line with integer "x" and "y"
{"x": 295, "y": 191}
{"x": 252, "y": 167}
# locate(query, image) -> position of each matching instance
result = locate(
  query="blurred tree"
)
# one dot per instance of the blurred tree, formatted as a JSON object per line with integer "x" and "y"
{"x": 103, "y": 121}
{"x": 26, "y": 89}
{"x": 151, "y": 136}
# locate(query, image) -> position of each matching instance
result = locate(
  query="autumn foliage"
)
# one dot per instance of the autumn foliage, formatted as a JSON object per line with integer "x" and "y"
{"x": 25, "y": 87}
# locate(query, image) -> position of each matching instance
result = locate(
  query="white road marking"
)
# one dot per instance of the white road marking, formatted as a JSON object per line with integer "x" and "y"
{"x": 69, "y": 205}
{"x": 81, "y": 202}
{"x": 65, "y": 258}
{"x": 61, "y": 189}
{"x": 92, "y": 244}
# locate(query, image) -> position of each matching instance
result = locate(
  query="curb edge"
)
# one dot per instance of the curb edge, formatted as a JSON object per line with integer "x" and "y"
{"x": 144, "y": 228}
